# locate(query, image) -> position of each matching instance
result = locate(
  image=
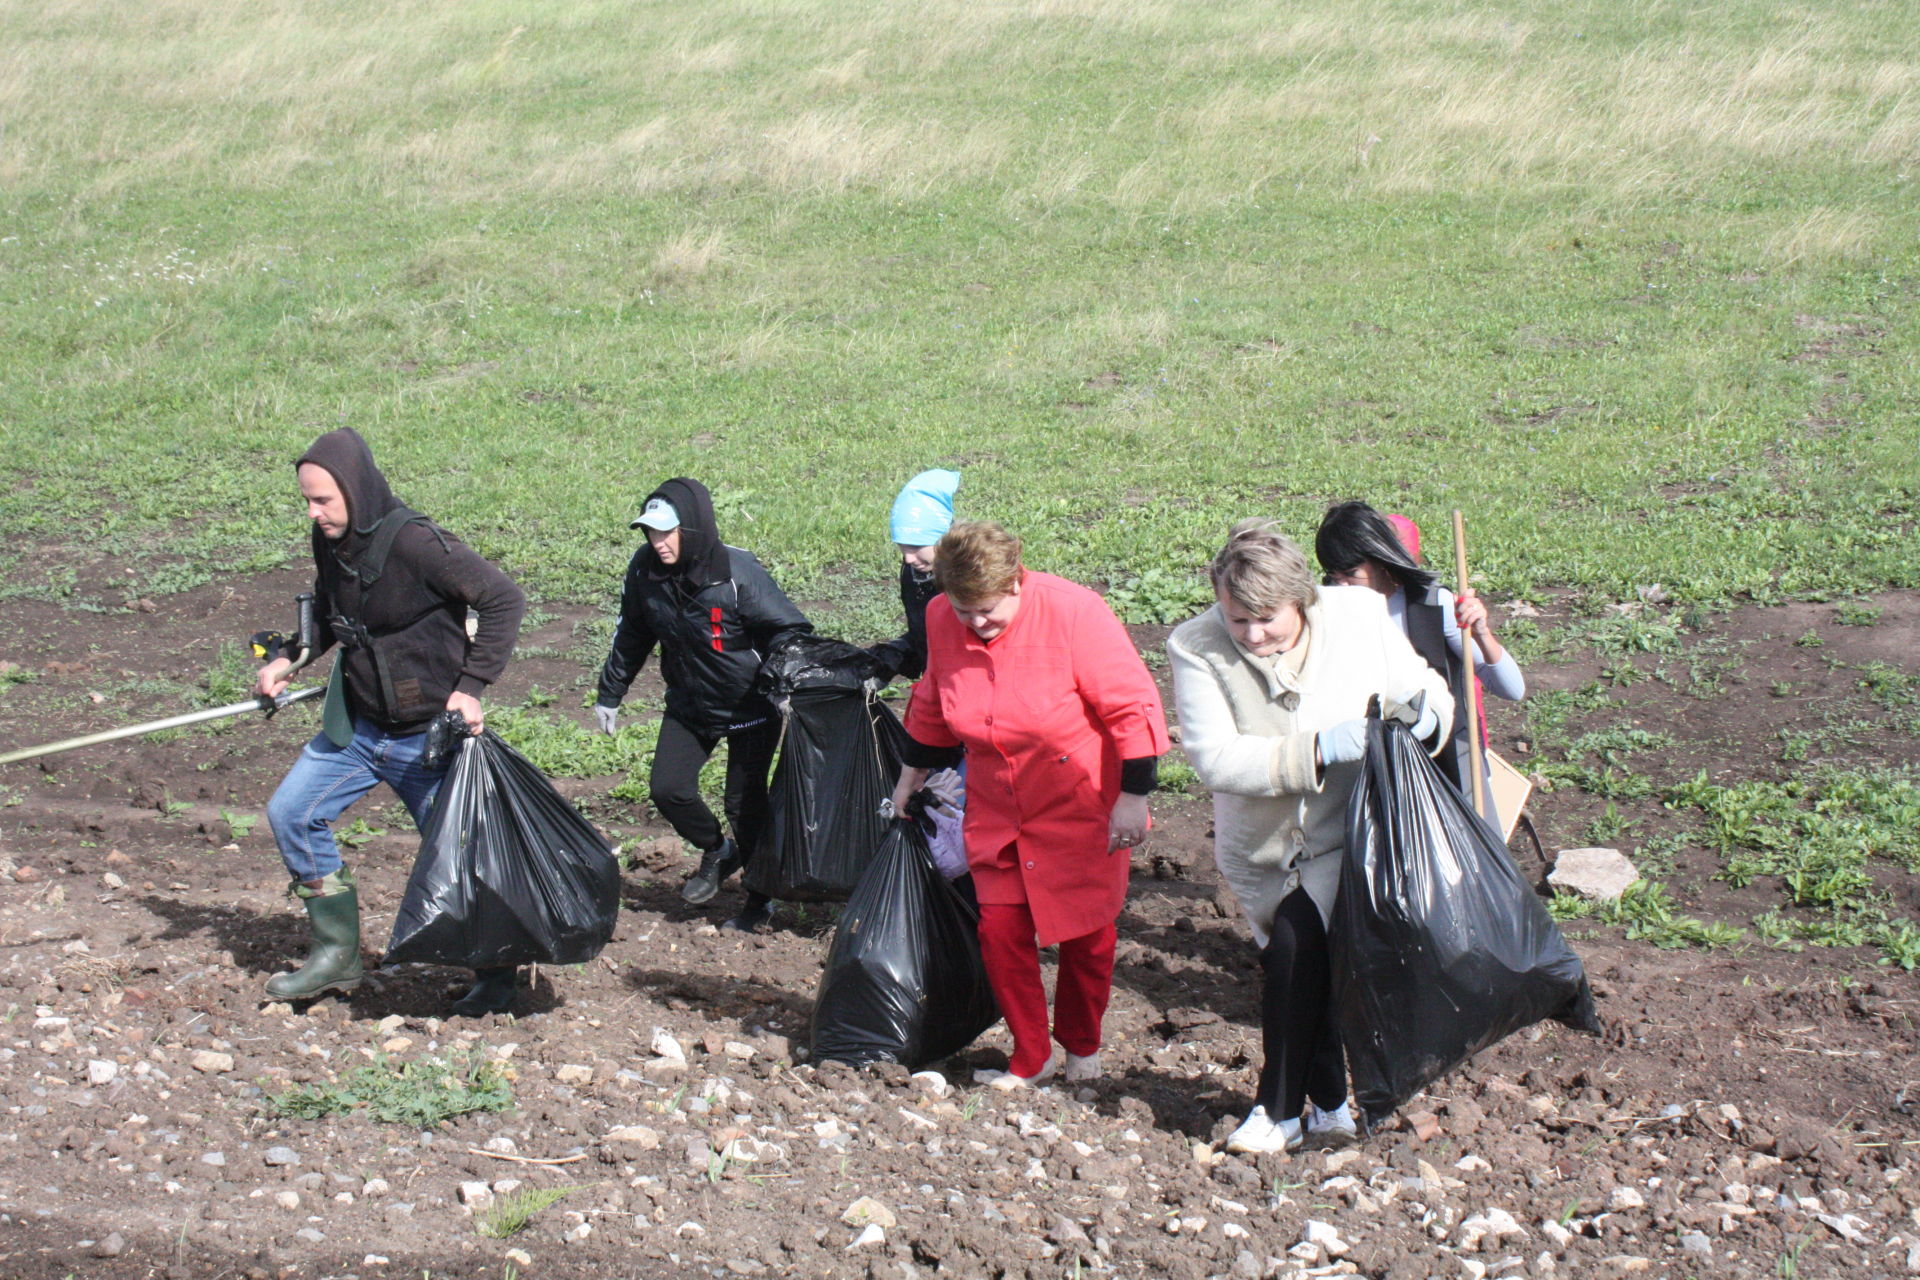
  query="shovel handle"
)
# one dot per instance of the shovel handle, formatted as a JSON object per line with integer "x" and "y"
{"x": 1476, "y": 761}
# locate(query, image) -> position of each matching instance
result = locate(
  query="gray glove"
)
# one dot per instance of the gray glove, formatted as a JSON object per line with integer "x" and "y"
{"x": 606, "y": 719}
{"x": 1344, "y": 743}
{"x": 1412, "y": 710}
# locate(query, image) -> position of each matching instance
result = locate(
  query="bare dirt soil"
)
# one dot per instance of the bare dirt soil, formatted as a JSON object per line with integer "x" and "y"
{"x": 1748, "y": 1111}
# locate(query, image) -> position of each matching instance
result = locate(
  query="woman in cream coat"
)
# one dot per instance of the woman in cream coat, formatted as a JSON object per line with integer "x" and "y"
{"x": 1272, "y": 685}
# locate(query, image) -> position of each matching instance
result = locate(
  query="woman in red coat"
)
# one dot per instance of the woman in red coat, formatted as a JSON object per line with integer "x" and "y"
{"x": 1062, "y": 728}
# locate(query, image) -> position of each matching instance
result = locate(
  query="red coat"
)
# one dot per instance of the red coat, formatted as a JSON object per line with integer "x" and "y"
{"x": 1047, "y": 711}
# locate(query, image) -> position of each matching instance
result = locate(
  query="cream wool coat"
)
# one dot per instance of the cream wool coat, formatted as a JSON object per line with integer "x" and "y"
{"x": 1248, "y": 725}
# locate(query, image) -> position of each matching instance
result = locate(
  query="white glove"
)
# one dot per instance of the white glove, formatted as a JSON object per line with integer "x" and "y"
{"x": 1343, "y": 743}
{"x": 1412, "y": 710}
{"x": 606, "y": 719}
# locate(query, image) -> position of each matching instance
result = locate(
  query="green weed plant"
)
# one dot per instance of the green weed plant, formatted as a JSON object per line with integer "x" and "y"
{"x": 1822, "y": 838}
{"x": 420, "y": 1094}
{"x": 514, "y": 1212}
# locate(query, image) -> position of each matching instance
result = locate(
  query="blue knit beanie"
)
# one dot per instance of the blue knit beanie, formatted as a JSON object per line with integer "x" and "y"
{"x": 924, "y": 510}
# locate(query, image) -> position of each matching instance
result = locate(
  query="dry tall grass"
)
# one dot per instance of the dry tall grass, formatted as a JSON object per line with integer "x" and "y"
{"x": 1221, "y": 106}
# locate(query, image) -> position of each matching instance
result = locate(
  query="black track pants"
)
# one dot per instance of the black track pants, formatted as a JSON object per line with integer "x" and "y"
{"x": 1303, "y": 1055}
{"x": 675, "y": 783}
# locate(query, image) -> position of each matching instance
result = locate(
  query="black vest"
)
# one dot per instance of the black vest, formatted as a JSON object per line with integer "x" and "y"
{"x": 1426, "y": 629}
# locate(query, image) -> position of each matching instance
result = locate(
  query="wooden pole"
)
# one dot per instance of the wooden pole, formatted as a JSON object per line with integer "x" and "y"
{"x": 1476, "y": 759}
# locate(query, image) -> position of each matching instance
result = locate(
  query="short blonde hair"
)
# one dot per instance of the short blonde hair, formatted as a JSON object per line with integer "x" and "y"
{"x": 977, "y": 561}
{"x": 1261, "y": 569}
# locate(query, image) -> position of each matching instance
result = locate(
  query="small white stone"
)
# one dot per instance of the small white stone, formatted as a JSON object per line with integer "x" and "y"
{"x": 287, "y": 1199}
{"x": 1599, "y": 874}
{"x": 665, "y": 1046}
{"x": 1626, "y": 1198}
{"x": 638, "y": 1136}
{"x": 1324, "y": 1236}
{"x": 871, "y": 1236}
{"x": 100, "y": 1071}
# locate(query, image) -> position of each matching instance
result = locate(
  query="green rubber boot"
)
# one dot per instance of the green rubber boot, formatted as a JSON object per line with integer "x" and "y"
{"x": 333, "y": 953}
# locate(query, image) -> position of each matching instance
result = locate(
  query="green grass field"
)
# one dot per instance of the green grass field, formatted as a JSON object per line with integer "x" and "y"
{"x": 1634, "y": 284}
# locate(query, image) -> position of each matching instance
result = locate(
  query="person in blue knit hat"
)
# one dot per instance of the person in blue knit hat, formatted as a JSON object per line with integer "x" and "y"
{"x": 921, "y": 516}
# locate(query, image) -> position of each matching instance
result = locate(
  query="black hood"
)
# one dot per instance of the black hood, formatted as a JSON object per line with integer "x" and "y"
{"x": 347, "y": 459}
{"x": 1354, "y": 531}
{"x": 703, "y": 557}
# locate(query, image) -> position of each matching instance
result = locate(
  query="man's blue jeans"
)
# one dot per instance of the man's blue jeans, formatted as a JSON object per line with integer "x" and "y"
{"x": 327, "y": 779}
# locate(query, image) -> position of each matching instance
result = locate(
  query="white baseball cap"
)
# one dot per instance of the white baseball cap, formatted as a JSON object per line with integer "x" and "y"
{"x": 658, "y": 516}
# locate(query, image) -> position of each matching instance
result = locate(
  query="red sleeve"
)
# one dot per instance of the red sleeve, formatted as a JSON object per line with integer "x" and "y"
{"x": 1116, "y": 684}
{"x": 925, "y": 722}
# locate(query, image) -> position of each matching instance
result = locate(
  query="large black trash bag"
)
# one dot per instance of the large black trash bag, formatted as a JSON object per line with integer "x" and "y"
{"x": 904, "y": 981}
{"x": 509, "y": 873}
{"x": 808, "y": 661}
{"x": 1439, "y": 947}
{"x": 839, "y": 757}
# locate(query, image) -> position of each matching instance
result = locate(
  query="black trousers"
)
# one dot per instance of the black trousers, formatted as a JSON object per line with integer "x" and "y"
{"x": 1302, "y": 1048}
{"x": 675, "y": 783}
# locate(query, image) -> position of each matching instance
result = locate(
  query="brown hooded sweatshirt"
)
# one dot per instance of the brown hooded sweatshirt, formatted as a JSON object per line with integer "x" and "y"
{"x": 404, "y": 636}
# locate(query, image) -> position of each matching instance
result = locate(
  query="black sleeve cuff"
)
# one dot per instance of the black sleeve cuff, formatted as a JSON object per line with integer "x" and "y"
{"x": 1139, "y": 777}
{"x": 918, "y": 755}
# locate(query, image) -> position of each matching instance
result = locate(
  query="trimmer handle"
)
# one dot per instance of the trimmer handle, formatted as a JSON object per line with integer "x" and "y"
{"x": 306, "y": 634}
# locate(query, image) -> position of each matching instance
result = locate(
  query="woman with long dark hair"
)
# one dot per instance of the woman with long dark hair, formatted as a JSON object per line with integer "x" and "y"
{"x": 1359, "y": 547}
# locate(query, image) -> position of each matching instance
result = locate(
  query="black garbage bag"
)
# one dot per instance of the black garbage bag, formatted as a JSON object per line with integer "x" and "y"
{"x": 904, "y": 981}
{"x": 839, "y": 758}
{"x": 508, "y": 873}
{"x": 808, "y": 661}
{"x": 1439, "y": 947}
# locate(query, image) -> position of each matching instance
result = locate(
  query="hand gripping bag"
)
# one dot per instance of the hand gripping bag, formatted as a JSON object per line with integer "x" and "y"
{"x": 904, "y": 981}
{"x": 839, "y": 758}
{"x": 1439, "y": 947}
{"x": 509, "y": 873}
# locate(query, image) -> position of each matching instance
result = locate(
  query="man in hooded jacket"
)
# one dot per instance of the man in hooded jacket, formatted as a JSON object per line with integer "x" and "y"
{"x": 392, "y": 590}
{"x": 714, "y": 613}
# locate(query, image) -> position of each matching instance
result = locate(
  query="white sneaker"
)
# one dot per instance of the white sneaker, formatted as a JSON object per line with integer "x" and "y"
{"x": 1080, "y": 1070}
{"x": 1331, "y": 1129}
{"x": 1006, "y": 1080}
{"x": 1259, "y": 1135}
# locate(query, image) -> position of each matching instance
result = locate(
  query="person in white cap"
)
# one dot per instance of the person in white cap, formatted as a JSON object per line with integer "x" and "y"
{"x": 714, "y": 613}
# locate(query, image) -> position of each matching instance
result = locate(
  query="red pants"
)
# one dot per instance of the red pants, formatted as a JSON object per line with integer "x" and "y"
{"x": 1008, "y": 945}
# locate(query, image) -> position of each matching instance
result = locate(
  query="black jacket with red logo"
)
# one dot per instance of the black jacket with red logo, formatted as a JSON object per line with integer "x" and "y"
{"x": 714, "y": 615}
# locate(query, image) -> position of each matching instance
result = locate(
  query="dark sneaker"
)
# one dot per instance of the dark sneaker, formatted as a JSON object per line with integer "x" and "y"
{"x": 752, "y": 920}
{"x": 715, "y": 866}
{"x": 492, "y": 992}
